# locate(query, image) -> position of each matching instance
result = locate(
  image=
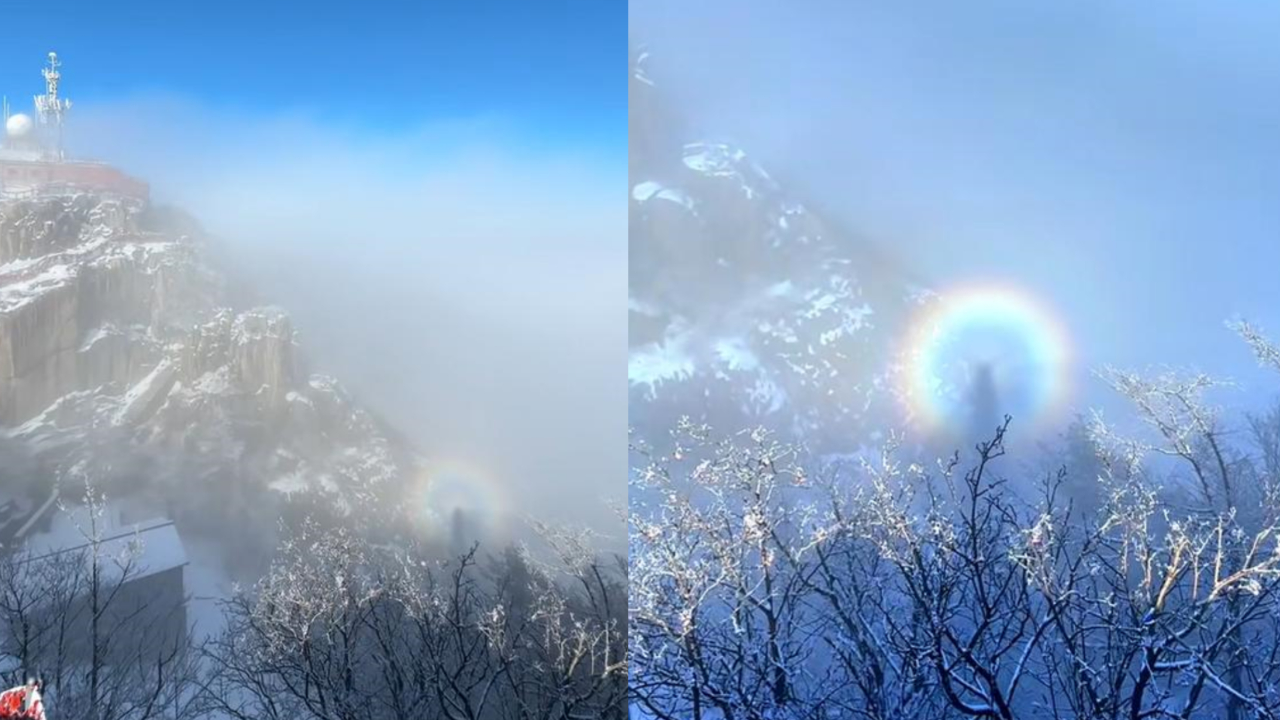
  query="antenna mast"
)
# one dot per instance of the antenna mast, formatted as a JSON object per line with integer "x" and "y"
{"x": 52, "y": 109}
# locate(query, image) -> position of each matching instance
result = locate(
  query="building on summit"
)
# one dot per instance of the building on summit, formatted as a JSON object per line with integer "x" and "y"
{"x": 139, "y": 559}
{"x": 33, "y": 158}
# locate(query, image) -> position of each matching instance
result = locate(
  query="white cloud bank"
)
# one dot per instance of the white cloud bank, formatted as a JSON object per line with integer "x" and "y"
{"x": 469, "y": 284}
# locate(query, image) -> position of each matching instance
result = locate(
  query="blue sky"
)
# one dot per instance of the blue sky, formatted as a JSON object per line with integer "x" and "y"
{"x": 378, "y": 64}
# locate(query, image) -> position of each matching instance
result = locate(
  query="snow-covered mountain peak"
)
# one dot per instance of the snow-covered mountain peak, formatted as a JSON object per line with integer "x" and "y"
{"x": 746, "y": 306}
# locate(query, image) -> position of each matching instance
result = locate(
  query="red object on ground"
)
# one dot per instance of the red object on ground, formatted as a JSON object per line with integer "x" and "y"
{"x": 12, "y": 702}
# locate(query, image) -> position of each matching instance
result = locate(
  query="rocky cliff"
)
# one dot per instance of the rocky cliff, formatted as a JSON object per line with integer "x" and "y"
{"x": 747, "y": 307}
{"x": 125, "y": 354}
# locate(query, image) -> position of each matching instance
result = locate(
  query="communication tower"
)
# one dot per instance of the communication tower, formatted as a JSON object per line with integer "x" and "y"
{"x": 50, "y": 108}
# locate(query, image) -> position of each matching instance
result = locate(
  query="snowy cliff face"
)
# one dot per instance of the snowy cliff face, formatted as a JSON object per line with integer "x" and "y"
{"x": 746, "y": 308}
{"x": 124, "y": 354}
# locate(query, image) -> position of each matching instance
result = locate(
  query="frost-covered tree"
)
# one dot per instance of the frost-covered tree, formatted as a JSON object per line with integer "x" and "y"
{"x": 341, "y": 629}
{"x": 100, "y": 648}
{"x": 891, "y": 589}
{"x": 719, "y": 621}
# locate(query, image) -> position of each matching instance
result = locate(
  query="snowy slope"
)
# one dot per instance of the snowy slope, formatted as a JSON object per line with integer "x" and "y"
{"x": 746, "y": 307}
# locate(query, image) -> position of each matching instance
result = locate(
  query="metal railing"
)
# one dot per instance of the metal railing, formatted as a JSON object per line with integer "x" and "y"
{"x": 64, "y": 189}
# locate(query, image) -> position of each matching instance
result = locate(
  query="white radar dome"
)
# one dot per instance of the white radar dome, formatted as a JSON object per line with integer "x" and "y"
{"x": 18, "y": 125}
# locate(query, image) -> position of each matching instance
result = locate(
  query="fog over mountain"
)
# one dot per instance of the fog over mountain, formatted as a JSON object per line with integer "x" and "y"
{"x": 853, "y": 218}
{"x": 458, "y": 286}
{"x": 1116, "y": 162}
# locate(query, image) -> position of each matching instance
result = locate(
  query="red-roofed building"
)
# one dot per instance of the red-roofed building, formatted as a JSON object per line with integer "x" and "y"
{"x": 32, "y": 160}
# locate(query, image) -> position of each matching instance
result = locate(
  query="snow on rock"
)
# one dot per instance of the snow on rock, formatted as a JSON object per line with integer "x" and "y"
{"x": 121, "y": 348}
{"x": 734, "y": 354}
{"x": 746, "y": 306}
{"x": 657, "y": 364}
{"x": 140, "y": 399}
{"x": 107, "y": 330}
{"x": 716, "y": 159}
{"x": 639, "y": 73}
{"x": 670, "y": 359}
{"x": 650, "y": 190}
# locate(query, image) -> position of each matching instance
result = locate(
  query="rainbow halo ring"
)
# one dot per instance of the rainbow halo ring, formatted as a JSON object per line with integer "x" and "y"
{"x": 984, "y": 329}
{"x": 457, "y": 486}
